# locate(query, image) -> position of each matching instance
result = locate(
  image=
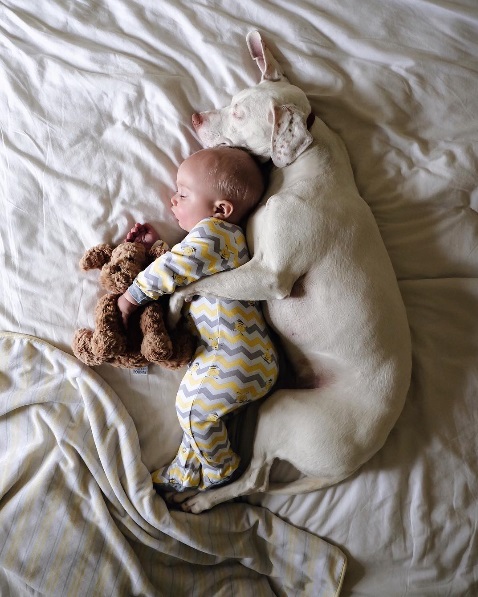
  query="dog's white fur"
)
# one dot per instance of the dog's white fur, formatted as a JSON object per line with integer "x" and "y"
{"x": 332, "y": 295}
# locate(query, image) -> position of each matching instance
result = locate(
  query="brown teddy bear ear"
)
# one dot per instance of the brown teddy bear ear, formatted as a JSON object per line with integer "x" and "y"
{"x": 159, "y": 248}
{"x": 96, "y": 257}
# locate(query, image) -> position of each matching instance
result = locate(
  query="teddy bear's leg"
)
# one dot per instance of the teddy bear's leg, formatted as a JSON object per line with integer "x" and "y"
{"x": 156, "y": 345}
{"x": 184, "y": 346}
{"x": 109, "y": 337}
{"x": 82, "y": 348}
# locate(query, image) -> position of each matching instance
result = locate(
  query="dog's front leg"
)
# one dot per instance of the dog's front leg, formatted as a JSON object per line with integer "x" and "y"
{"x": 253, "y": 281}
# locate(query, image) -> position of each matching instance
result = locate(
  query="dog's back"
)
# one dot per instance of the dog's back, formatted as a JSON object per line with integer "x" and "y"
{"x": 344, "y": 325}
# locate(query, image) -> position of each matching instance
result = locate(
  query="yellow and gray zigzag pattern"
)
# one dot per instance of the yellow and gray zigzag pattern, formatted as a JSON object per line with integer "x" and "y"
{"x": 235, "y": 362}
{"x": 211, "y": 247}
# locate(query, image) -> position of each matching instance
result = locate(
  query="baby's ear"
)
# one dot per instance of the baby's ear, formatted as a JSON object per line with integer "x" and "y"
{"x": 223, "y": 209}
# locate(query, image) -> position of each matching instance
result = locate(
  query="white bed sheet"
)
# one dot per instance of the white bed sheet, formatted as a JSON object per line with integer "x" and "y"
{"x": 95, "y": 105}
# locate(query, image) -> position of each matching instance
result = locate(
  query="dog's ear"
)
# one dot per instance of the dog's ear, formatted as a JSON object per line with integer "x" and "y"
{"x": 268, "y": 65}
{"x": 290, "y": 136}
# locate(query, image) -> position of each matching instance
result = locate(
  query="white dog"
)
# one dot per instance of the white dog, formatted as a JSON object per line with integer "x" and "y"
{"x": 332, "y": 295}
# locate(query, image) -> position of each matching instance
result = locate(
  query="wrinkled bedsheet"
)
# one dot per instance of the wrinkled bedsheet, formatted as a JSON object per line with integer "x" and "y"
{"x": 95, "y": 105}
{"x": 79, "y": 515}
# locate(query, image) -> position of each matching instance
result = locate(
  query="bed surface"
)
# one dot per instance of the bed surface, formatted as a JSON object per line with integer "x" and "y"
{"x": 95, "y": 106}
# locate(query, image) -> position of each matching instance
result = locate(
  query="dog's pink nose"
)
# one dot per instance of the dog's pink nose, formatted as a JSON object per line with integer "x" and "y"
{"x": 197, "y": 120}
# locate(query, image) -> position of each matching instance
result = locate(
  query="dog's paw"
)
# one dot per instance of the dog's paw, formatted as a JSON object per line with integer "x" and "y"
{"x": 178, "y": 497}
{"x": 176, "y": 302}
{"x": 196, "y": 504}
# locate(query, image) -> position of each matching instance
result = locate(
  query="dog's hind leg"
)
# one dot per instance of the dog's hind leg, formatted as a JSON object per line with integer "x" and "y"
{"x": 254, "y": 480}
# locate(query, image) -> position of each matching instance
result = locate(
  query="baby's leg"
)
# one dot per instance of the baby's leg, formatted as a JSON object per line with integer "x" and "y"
{"x": 209, "y": 432}
{"x": 205, "y": 456}
{"x": 184, "y": 471}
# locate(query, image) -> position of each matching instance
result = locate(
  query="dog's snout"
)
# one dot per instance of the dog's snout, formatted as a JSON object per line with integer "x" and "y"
{"x": 197, "y": 120}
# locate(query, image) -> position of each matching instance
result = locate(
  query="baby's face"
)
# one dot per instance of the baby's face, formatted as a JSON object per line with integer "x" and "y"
{"x": 195, "y": 199}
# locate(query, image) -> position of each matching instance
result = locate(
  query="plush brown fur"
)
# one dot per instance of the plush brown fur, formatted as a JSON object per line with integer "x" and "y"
{"x": 147, "y": 340}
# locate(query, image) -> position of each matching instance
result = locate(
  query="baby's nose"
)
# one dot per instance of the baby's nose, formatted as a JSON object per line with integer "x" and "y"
{"x": 173, "y": 200}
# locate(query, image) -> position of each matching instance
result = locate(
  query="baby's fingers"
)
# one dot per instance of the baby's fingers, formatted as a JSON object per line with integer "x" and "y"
{"x": 133, "y": 234}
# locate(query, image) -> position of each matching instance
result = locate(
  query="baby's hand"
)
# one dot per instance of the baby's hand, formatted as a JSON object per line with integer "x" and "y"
{"x": 144, "y": 234}
{"x": 126, "y": 307}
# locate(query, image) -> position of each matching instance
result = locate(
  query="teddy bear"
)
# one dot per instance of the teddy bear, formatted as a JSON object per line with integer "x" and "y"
{"x": 147, "y": 339}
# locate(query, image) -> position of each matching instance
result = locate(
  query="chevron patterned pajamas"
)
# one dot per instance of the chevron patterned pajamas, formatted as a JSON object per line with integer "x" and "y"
{"x": 235, "y": 362}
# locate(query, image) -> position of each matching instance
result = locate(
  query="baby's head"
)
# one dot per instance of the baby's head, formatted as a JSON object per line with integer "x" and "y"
{"x": 224, "y": 182}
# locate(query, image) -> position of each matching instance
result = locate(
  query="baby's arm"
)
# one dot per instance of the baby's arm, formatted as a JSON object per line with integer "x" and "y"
{"x": 160, "y": 277}
{"x": 127, "y": 305}
{"x": 195, "y": 257}
{"x": 146, "y": 235}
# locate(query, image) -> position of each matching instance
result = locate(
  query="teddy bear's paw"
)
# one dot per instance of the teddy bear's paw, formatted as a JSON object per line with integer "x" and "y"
{"x": 82, "y": 348}
{"x": 107, "y": 346}
{"x": 184, "y": 347}
{"x": 156, "y": 345}
{"x": 156, "y": 352}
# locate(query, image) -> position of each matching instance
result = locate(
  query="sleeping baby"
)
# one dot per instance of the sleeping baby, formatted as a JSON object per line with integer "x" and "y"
{"x": 236, "y": 361}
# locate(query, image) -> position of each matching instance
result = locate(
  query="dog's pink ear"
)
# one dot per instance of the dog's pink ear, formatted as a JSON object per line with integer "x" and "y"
{"x": 268, "y": 65}
{"x": 290, "y": 136}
